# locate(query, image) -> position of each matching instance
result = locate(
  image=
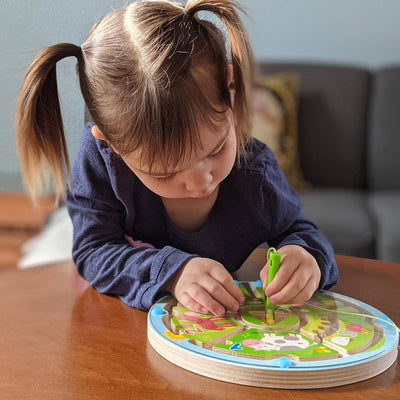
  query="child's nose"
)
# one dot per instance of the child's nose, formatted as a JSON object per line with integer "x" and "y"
{"x": 198, "y": 180}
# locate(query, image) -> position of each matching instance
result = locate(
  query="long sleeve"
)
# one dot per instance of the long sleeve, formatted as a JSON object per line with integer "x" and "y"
{"x": 104, "y": 258}
{"x": 100, "y": 250}
{"x": 286, "y": 224}
{"x": 305, "y": 234}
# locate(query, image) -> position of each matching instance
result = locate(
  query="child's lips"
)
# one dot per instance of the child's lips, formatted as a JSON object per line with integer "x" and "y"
{"x": 204, "y": 193}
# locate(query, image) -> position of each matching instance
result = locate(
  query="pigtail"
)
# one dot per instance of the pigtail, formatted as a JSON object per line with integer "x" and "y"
{"x": 41, "y": 144}
{"x": 241, "y": 55}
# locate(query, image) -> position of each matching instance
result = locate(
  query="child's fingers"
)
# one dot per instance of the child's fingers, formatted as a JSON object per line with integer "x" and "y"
{"x": 290, "y": 263}
{"x": 282, "y": 277}
{"x": 224, "y": 278}
{"x": 208, "y": 283}
{"x": 264, "y": 276}
{"x": 219, "y": 293}
{"x": 199, "y": 294}
{"x": 296, "y": 289}
{"x": 187, "y": 301}
{"x": 282, "y": 292}
{"x": 304, "y": 294}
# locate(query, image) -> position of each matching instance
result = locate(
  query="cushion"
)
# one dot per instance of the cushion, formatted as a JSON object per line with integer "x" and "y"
{"x": 333, "y": 107}
{"x": 275, "y": 121}
{"x": 385, "y": 209}
{"x": 384, "y": 138}
{"x": 343, "y": 216}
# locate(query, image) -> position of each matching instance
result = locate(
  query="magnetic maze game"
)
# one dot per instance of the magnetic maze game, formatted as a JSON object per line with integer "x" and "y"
{"x": 329, "y": 331}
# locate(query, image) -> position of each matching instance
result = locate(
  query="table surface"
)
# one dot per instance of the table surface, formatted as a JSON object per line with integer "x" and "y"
{"x": 60, "y": 339}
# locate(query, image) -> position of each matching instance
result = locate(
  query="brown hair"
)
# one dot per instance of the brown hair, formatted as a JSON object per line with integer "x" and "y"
{"x": 149, "y": 74}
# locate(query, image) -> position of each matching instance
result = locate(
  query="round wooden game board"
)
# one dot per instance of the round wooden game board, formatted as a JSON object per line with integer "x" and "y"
{"x": 331, "y": 340}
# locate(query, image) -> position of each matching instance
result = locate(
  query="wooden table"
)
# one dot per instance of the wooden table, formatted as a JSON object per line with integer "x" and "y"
{"x": 60, "y": 339}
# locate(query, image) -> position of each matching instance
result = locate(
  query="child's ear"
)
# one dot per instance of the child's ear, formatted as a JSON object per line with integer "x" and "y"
{"x": 230, "y": 74}
{"x": 230, "y": 83}
{"x": 97, "y": 133}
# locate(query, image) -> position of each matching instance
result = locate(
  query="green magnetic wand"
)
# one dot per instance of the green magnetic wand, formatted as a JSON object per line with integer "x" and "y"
{"x": 274, "y": 262}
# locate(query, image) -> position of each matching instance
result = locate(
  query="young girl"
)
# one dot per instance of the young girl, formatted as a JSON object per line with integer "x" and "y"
{"x": 168, "y": 192}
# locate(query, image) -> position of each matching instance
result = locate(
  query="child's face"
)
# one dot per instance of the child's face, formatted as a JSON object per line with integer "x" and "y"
{"x": 201, "y": 173}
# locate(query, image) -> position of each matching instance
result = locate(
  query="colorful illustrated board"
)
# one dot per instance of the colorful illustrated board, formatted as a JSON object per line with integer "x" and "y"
{"x": 331, "y": 340}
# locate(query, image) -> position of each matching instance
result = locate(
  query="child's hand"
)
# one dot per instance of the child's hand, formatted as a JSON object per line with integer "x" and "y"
{"x": 204, "y": 285}
{"x": 297, "y": 278}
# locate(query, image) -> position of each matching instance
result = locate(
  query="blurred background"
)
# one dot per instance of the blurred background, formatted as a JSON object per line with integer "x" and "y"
{"x": 357, "y": 33}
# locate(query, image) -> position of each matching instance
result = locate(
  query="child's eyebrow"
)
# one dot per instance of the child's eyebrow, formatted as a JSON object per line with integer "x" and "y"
{"x": 220, "y": 142}
{"x": 216, "y": 148}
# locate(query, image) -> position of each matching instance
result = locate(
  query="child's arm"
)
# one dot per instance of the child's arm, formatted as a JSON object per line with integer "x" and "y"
{"x": 138, "y": 274}
{"x": 110, "y": 264}
{"x": 308, "y": 260}
{"x": 307, "y": 264}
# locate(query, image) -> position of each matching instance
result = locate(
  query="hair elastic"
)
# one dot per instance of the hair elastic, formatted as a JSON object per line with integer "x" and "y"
{"x": 186, "y": 14}
{"x": 78, "y": 53}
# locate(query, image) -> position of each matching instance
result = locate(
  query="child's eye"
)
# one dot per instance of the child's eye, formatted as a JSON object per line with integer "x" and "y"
{"x": 166, "y": 178}
{"x": 219, "y": 153}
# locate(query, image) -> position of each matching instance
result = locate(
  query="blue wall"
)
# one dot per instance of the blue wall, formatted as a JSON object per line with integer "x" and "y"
{"x": 359, "y": 32}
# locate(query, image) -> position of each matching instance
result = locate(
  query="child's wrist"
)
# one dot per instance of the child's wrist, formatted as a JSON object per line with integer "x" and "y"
{"x": 169, "y": 286}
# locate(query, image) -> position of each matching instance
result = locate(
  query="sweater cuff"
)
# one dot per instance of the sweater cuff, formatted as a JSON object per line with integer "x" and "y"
{"x": 326, "y": 262}
{"x": 166, "y": 264}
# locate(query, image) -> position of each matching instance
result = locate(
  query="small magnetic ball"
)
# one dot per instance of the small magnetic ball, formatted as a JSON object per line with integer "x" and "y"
{"x": 284, "y": 362}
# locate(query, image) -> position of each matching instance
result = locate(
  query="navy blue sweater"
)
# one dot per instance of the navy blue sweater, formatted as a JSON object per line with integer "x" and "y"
{"x": 107, "y": 201}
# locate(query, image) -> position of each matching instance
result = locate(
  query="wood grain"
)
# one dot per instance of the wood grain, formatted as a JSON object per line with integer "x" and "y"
{"x": 60, "y": 339}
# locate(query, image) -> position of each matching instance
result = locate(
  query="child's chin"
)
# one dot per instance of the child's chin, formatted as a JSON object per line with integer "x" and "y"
{"x": 204, "y": 195}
